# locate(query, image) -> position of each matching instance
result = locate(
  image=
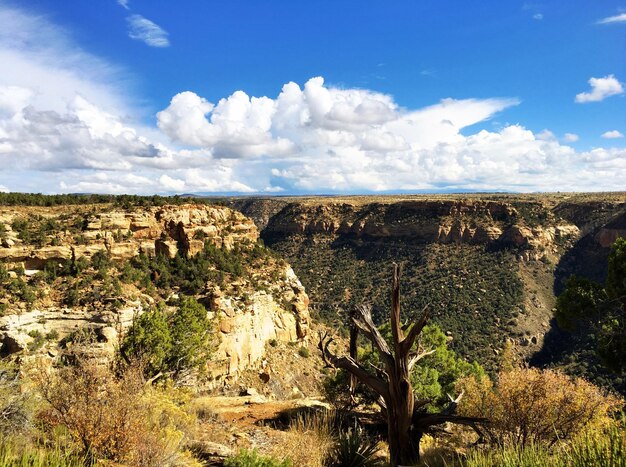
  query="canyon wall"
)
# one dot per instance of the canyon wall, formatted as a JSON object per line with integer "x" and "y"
{"x": 246, "y": 315}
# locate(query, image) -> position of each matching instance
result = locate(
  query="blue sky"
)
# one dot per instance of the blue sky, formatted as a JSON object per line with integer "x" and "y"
{"x": 283, "y": 97}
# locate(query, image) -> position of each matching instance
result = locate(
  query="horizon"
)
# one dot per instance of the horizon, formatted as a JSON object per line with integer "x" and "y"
{"x": 312, "y": 99}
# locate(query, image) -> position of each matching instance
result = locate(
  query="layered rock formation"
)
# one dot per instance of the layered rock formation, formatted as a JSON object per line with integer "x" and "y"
{"x": 123, "y": 234}
{"x": 247, "y": 324}
{"x": 246, "y": 317}
{"x": 446, "y": 221}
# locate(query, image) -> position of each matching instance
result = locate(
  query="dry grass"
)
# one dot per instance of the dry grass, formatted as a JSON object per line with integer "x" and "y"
{"x": 308, "y": 440}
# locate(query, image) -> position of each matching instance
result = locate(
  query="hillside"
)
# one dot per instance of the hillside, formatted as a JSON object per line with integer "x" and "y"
{"x": 489, "y": 266}
{"x": 68, "y": 269}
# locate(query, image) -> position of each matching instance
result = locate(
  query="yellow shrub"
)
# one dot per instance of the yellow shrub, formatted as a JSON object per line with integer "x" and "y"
{"x": 534, "y": 406}
{"x": 111, "y": 417}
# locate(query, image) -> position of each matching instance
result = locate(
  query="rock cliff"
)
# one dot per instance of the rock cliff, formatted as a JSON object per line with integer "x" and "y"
{"x": 123, "y": 233}
{"x": 445, "y": 221}
{"x": 269, "y": 303}
{"x": 487, "y": 265}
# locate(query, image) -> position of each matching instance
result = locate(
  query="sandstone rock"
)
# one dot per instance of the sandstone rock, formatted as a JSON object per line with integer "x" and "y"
{"x": 115, "y": 221}
{"x": 123, "y": 251}
{"x": 109, "y": 334}
{"x": 565, "y": 231}
{"x": 166, "y": 247}
{"x": 88, "y": 250}
{"x": 53, "y": 252}
{"x": 15, "y": 254}
{"x": 606, "y": 237}
{"x": 245, "y": 324}
{"x": 249, "y": 392}
{"x": 517, "y": 235}
{"x": 13, "y": 343}
{"x": 486, "y": 234}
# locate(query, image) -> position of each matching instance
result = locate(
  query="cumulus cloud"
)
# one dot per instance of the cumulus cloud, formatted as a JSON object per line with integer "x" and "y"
{"x": 570, "y": 137}
{"x": 84, "y": 136}
{"x": 64, "y": 109}
{"x": 601, "y": 88}
{"x": 142, "y": 29}
{"x": 316, "y": 118}
{"x": 612, "y": 134}
{"x": 322, "y": 138}
{"x": 621, "y": 18}
{"x": 66, "y": 126}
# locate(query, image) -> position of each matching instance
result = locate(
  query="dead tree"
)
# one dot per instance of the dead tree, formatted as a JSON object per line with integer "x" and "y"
{"x": 407, "y": 419}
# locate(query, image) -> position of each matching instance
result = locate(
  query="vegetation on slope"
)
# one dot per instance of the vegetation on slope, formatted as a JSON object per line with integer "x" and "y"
{"x": 601, "y": 309}
{"x": 474, "y": 295}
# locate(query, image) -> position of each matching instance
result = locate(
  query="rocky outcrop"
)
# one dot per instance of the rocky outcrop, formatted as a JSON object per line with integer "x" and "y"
{"x": 615, "y": 229}
{"x": 19, "y": 332}
{"x": 123, "y": 234}
{"x": 474, "y": 222}
{"x": 245, "y": 314}
{"x": 247, "y": 324}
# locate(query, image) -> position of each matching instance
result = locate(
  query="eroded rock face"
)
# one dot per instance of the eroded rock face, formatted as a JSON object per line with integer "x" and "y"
{"x": 17, "y": 331}
{"x": 474, "y": 222}
{"x": 167, "y": 229}
{"x": 247, "y": 324}
{"x": 245, "y": 318}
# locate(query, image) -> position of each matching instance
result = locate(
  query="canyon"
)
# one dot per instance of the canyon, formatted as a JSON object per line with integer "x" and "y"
{"x": 489, "y": 266}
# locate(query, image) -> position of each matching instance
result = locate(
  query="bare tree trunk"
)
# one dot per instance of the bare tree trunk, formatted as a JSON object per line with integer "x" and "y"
{"x": 404, "y": 451}
{"x": 354, "y": 334}
{"x": 406, "y": 422}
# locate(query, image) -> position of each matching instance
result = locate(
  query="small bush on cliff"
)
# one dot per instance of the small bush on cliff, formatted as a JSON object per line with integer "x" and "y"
{"x": 190, "y": 330}
{"x": 174, "y": 344}
{"x": 149, "y": 341}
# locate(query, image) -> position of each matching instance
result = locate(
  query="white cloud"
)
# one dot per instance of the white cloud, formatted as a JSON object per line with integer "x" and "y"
{"x": 65, "y": 127}
{"x": 601, "y": 88}
{"x": 621, "y": 18}
{"x": 612, "y": 134}
{"x": 142, "y": 29}
{"x": 538, "y": 16}
{"x": 3, "y": 189}
{"x": 172, "y": 184}
{"x": 60, "y": 107}
{"x": 124, "y": 3}
{"x": 316, "y": 118}
{"x": 41, "y": 58}
{"x": 570, "y": 137}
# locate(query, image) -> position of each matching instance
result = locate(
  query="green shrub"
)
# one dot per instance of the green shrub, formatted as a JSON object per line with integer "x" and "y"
{"x": 600, "y": 309}
{"x": 516, "y": 456}
{"x": 150, "y": 341}
{"x": 37, "y": 342}
{"x": 304, "y": 352}
{"x": 354, "y": 449}
{"x": 52, "y": 335}
{"x": 172, "y": 344}
{"x": 604, "y": 448}
{"x": 252, "y": 458}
